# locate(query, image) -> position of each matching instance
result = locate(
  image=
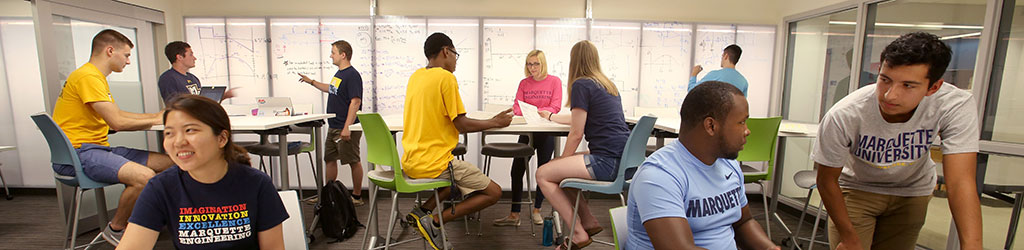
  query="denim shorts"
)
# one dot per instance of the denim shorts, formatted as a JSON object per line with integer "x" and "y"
{"x": 602, "y": 168}
{"x": 101, "y": 163}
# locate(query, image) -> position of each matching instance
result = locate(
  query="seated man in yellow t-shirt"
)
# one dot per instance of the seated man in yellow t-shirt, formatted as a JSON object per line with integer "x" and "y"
{"x": 86, "y": 112}
{"x": 434, "y": 117}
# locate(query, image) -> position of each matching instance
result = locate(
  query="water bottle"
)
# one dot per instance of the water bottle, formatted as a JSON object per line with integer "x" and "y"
{"x": 548, "y": 234}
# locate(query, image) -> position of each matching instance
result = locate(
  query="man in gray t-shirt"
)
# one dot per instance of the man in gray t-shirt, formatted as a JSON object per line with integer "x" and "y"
{"x": 875, "y": 173}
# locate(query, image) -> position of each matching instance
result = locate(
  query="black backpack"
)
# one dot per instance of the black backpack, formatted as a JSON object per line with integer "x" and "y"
{"x": 337, "y": 213}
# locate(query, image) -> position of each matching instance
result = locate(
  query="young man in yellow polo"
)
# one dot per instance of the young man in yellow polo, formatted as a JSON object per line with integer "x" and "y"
{"x": 434, "y": 118}
{"x": 86, "y": 112}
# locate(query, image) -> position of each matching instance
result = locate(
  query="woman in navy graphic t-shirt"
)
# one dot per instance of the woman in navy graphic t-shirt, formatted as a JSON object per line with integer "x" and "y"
{"x": 212, "y": 198}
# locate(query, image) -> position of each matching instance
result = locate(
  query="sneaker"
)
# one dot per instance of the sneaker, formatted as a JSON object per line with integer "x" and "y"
{"x": 507, "y": 221}
{"x": 415, "y": 215}
{"x": 111, "y": 236}
{"x": 431, "y": 233}
{"x": 537, "y": 219}
{"x": 357, "y": 202}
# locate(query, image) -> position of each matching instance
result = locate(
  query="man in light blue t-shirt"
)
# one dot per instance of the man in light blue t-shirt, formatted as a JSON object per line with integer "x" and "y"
{"x": 728, "y": 74}
{"x": 689, "y": 194}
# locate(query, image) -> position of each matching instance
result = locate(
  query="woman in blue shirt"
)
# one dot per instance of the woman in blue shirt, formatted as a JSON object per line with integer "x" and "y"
{"x": 597, "y": 115}
{"x": 212, "y": 198}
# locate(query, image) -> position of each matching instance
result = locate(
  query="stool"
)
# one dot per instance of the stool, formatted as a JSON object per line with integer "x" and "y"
{"x": 460, "y": 149}
{"x": 294, "y": 148}
{"x": 807, "y": 179}
{"x": 510, "y": 150}
{"x": 4, "y": 182}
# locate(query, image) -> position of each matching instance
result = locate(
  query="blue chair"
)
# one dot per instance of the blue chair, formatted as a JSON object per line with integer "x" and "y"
{"x": 632, "y": 156}
{"x": 61, "y": 152}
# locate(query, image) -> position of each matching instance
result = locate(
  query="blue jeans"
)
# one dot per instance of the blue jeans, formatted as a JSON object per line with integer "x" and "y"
{"x": 101, "y": 163}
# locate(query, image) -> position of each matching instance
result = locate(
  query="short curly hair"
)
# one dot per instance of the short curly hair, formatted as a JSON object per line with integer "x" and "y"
{"x": 919, "y": 48}
{"x": 709, "y": 99}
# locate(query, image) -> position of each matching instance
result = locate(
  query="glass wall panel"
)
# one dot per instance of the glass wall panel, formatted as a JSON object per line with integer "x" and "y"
{"x": 817, "y": 65}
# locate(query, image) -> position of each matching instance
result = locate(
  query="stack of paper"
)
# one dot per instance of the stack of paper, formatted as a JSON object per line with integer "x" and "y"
{"x": 531, "y": 115}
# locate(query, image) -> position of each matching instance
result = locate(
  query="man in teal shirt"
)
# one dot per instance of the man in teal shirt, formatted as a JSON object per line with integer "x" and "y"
{"x": 728, "y": 73}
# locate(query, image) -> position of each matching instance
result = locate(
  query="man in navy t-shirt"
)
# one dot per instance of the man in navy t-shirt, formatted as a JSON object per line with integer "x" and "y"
{"x": 690, "y": 193}
{"x": 177, "y": 80}
{"x": 344, "y": 100}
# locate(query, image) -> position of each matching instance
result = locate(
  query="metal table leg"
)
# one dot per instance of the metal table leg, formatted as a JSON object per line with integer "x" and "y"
{"x": 777, "y": 186}
{"x": 1014, "y": 220}
{"x": 282, "y": 140}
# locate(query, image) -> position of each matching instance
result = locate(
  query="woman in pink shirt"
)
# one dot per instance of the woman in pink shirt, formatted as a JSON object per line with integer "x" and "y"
{"x": 544, "y": 91}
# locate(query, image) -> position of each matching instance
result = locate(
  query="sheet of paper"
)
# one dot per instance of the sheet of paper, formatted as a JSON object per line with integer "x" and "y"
{"x": 796, "y": 128}
{"x": 530, "y": 113}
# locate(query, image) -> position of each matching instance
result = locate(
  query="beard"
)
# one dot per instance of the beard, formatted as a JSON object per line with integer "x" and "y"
{"x": 726, "y": 152}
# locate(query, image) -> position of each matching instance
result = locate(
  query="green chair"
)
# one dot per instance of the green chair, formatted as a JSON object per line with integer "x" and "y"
{"x": 381, "y": 151}
{"x": 620, "y": 227}
{"x": 760, "y": 147}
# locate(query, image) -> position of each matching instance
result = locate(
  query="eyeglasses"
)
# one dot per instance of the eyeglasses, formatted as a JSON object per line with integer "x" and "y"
{"x": 533, "y": 64}
{"x": 454, "y": 52}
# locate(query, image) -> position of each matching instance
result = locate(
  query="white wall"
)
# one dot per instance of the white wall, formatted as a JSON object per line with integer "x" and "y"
{"x": 21, "y": 64}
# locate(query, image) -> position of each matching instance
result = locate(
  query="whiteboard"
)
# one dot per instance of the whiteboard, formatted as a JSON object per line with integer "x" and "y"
{"x": 246, "y": 59}
{"x": 758, "y": 45}
{"x": 295, "y": 48}
{"x": 208, "y": 39}
{"x": 399, "y": 53}
{"x": 506, "y": 44}
{"x": 650, "y": 62}
{"x": 355, "y": 31}
{"x": 665, "y": 64}
{"x": 556, "y": 38}
{"x": 465, "y": 35}
{"x": 618, "y": 45}
{"x": 709, "y": 43}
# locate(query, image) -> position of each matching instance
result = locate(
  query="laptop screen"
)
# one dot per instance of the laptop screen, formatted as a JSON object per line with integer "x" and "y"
{"x": 215, "y": 93}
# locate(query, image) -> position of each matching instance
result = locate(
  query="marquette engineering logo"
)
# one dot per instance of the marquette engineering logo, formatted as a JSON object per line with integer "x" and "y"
{"x": 899, "y": 151}
{"x": 205, "y": 225}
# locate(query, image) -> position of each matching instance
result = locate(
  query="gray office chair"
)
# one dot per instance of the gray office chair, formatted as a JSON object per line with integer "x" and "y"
{"x": 61, "y": 152}
{"x": 510, "y": 150}
{"x": 271, "y": 150}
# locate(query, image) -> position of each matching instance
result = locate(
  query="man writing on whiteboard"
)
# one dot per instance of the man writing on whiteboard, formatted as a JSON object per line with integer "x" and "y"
{"x": 728, "y": 73}
{"x": 344, "y": 99}
{"x": 86, "y": 112}
{"x": 177, "y": 80}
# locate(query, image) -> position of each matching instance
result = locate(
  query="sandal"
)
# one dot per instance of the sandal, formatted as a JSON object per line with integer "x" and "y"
{"x": 594, "y": 231}
{"x": 567, "y": 241}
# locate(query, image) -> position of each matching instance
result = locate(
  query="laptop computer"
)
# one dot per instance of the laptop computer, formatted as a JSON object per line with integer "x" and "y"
{"x": 215, "y": 93}
{"x": 275, "y": 106}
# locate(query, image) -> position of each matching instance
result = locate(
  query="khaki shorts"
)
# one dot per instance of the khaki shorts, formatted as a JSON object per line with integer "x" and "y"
{"x": 336, "y": 149}
{"x": 883, "y": 221}
{"x": 468, "y": 178}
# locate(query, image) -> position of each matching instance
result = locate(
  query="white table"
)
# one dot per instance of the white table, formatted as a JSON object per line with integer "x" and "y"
{"x": 6, "y": 191}
{"x": 670, "y": 128}
{"x": 396, "y": 124}
{"x": 1001, "y": 178}
{"x": 278, "y": 125}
